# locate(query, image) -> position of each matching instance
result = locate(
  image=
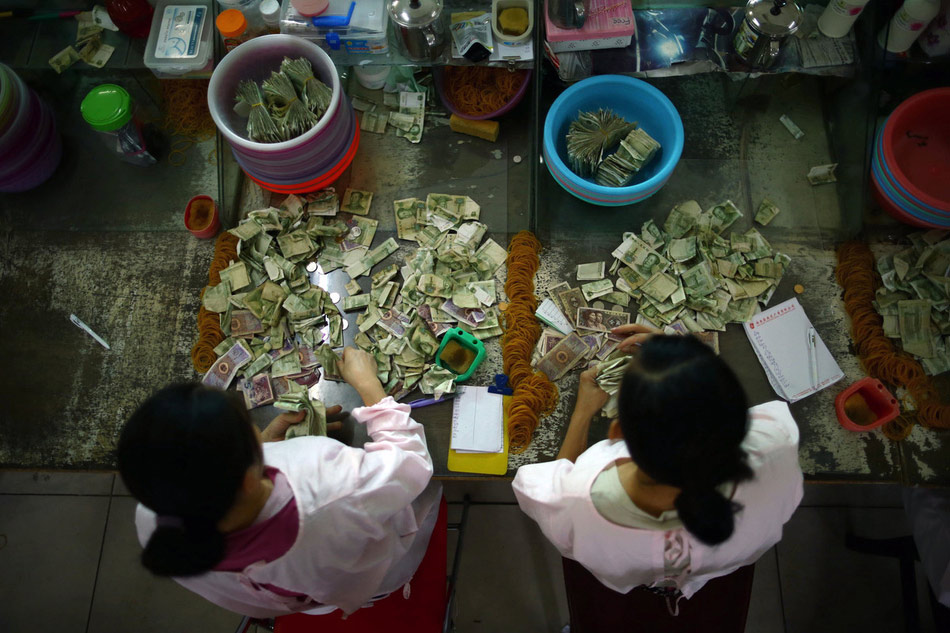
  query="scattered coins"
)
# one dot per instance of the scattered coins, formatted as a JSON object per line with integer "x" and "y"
{"x": 799, "y": 289}
{"x": 312, "y": 267}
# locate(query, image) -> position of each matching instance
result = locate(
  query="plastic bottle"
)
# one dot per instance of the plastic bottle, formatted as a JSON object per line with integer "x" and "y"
{"x": 270, "y": 13}
{"x": 132, "y": 17}
{"x": 252, "y": 13}
{"x": 233, "y": 27}
{"x": 907, "y": 24}
{"x": 839, "y": 15}
{"x": 108, "y": 109}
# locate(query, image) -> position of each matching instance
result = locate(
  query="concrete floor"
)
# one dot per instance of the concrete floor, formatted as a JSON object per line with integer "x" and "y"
{"x": 69, "y": 563}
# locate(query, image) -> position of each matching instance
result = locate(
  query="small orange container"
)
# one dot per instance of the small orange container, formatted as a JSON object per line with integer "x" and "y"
{"x": 866, "y": 405}
{"x": 201, "y": 217}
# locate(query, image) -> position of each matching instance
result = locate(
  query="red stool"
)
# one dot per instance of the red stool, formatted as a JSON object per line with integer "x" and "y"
{"x": 427, "y": 610}
{"x": 721, "y": 606}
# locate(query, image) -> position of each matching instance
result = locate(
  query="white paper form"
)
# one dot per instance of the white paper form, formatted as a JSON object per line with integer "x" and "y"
{"x": 549, "y": 313}
{"x": 781, "y": 339}
{"x": 477, "y": 421}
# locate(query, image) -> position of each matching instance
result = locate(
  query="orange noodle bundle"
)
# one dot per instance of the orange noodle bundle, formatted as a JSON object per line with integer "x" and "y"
{"x": 209, "y": 323}
{"x": 881, "y": 358}
{"x": 481, "y": 90}
{"x": 534, "y": 394}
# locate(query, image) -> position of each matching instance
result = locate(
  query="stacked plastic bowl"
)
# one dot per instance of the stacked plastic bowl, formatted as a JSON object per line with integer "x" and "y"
{"x": 634, "y": 100}
{"x": 30, "y": 146}
{"x": 910, "y": 166}
{"x": 311, "y": 161}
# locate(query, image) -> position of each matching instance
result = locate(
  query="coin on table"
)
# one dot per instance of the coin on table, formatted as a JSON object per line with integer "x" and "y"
{"x": 312, "y": 267}
{"x": 355, "y": 232}
{"x": 598, "y": 305}
{"x": 502, "y": 306}
{"x": 799, "y": 289}
{"x": 335, "y": 297}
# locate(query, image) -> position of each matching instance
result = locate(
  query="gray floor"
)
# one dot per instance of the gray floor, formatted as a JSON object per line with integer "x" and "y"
{"x": 68, "y": 562}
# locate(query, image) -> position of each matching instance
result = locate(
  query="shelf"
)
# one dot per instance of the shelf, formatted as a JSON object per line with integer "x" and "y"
{"x": 693, "y": 40}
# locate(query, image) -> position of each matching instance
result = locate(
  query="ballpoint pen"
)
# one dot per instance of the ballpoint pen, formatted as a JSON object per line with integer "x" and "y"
{"x": 811, "y": 340}
{"x": 424, "y": 402}
{"x": 88, "y": 330}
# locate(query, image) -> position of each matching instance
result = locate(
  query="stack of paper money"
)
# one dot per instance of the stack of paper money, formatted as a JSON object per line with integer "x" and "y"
{"x": 280, "y": 327}
{"x": 688, "y": 278}
{"x": 693, "y": 277}
{"x": 915, "y": 298}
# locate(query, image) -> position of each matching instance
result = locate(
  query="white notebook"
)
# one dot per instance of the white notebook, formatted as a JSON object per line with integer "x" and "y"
{"x": 550, "y": 314}
{"x": 796, "y": 360}
{"x": 477, "y": 421}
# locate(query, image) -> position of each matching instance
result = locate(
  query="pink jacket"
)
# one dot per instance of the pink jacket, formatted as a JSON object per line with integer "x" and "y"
{"x": 366, "y": 515}
{"x": 557, "y": 495}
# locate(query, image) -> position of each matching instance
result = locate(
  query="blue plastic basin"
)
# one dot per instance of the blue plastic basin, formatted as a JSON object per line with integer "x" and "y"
{"x": 634, "y": 100}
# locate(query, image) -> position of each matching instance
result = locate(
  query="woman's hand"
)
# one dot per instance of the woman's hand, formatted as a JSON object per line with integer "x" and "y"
{"x": 276, "y": 431}
{"x": 590, "y": 397}
{"x": 358, "y": 369}
{"x": 636, "y": 335}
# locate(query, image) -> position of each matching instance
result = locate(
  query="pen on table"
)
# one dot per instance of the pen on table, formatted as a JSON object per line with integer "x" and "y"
{"x": 88, "y": 330}
{"x": 424, "y": 402}
{"x": 31, "y": 14}
{"x": 811, "y": 339}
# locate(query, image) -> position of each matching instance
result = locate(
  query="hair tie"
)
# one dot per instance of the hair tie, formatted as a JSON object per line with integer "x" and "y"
{"x": 169, "y": 521}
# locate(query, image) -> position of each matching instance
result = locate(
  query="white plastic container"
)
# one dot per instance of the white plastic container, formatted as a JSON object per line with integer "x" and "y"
{"x": 270, "y": 13}
{"x": 366, "y": 34}
{"x": 838, "y": 17}
{"x": 511, "y": 40}
{"x": 180, "y": 42}
{"x": 371, "y": 77}
{"x": 907, "y": 24}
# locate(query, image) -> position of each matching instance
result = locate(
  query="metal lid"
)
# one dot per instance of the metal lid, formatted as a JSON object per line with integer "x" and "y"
{"x": 775, "y": 18}
{"x": 415, "y": 13}
{"x": 107, "y": 107}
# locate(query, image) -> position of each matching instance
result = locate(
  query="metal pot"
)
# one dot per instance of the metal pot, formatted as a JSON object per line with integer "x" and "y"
{"x": 767, "y": 23}
{"x": 420, "y": 32}
{"x": 568, "y": 14}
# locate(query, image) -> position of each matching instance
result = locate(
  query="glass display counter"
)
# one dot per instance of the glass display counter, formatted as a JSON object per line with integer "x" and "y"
{"x": 735, "y": 149}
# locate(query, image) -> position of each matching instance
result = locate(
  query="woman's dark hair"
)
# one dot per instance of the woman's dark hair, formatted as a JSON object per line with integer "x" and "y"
{"x": 684, "y": 415}
{"x": 184, "y": 454}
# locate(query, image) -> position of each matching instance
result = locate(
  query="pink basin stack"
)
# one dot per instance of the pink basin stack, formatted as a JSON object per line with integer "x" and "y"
{"x": 311, "y": 161}
{"x": 30, "y": 146}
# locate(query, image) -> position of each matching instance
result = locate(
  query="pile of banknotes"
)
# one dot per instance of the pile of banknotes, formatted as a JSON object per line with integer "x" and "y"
{"x": 688, "y": 277}
{"x": 915, "y": 298}
{"x": 281, "y": 326}
{"x": 592, "y": 139}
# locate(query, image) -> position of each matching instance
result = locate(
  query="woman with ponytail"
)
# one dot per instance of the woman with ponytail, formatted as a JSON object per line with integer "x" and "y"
{"x": 266, "y": 527}
{"x": 690, "y": 485}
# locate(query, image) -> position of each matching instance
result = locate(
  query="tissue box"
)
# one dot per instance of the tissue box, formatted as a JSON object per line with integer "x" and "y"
{"x": 606, "y": 29}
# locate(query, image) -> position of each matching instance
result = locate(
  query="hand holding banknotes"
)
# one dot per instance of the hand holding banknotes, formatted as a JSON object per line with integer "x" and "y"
{"x": 277, "y": 429}
{"x": 358, "y": 368}
{"x": 636, "y": 335}
{"x": 590, "y": 397}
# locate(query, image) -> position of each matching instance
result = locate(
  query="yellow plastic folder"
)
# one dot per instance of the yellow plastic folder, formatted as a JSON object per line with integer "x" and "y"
{"x": 484, "y": 463}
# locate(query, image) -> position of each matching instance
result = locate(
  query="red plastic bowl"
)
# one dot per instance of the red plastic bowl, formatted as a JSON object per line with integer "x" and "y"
{"x": 895, "y": 211}
{"x": 320, "y": 182}
{"x": 917, "y": 146}
{"x": 518, "y": 96}
{"x": 879, "y": 400}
